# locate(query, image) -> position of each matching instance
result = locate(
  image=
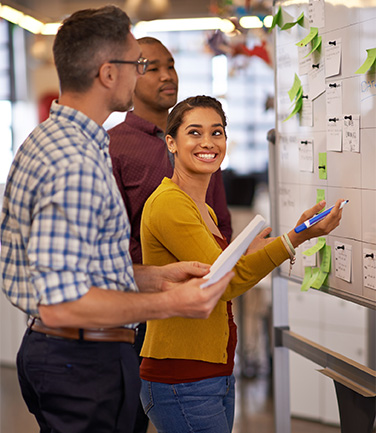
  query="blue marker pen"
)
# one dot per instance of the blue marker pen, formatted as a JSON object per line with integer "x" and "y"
{"x": 317, "y": 218}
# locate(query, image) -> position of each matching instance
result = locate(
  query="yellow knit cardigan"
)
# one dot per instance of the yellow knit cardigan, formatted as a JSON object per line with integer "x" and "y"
{"x": 172, "y": 230}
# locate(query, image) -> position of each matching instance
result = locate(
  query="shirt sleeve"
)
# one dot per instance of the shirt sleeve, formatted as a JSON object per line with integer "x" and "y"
{"x": 172, "y": 222}
{"x": 65, "y": 224}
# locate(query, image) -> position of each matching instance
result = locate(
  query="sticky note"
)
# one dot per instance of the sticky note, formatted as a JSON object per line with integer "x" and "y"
{"x": 316, "y": 13}
{"x": 312, "y": 33}
{"x": 277, "y": 19}
{"x": 314, "y": 276}
{"x": 296, "y": 87}
{"x": 369, "y": 268}
{"x": 333, "y": 100}
{"x": 326, "y": 258}
{"x": 309, "y": 260}
{"x": 298, "y": 107}
{"x": 299, "y": 21}
{"x": 320, "y": 195}
{"x": 371, "y": 57}
{"x": 319, "y": 280}
{"x": 316, "y": 44}
{"x": 343, "y": 261}
{"x": 333, "y": 54}
{"x": 306, "y": 114}
{"x": 306, "y": 155}
{"x": 334, "y": 133}
{"x": 351, "y": 135}
{"x": 322, "y": 166}
{"x": 307, "y": 279}
{"x": 321, "y": 242}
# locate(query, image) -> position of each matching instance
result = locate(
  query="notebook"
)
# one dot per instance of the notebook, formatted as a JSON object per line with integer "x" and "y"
{"x": 229, "y": 257}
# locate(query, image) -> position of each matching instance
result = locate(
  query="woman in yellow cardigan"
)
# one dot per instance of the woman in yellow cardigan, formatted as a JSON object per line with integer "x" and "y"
{"x": 186, "y": 372}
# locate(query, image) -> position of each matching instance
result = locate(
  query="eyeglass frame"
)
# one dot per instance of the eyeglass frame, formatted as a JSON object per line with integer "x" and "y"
{"x": 141, "y": 64}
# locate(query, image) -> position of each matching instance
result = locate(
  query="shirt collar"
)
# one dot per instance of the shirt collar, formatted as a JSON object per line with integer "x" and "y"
{"x": 143, "y": 125}
{"x": 89, "y": 128}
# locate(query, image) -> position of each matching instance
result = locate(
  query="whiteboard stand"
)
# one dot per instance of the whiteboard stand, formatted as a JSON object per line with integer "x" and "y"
{"x": 281, "y": 369}
{"x": 280, "y": 319}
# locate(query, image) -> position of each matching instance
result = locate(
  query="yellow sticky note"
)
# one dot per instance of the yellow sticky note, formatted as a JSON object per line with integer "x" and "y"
{"x": 313, "y": 31}
{"x": 321, "y": 242}
{"x": 371, "y": 57}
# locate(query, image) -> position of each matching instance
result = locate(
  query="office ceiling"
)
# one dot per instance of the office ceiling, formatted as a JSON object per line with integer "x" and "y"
{"x": 56, "y": 10}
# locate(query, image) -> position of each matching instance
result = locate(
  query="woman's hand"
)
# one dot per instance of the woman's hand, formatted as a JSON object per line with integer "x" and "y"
{"x": 322, "y": 228}
{"x": 260, "y": 241}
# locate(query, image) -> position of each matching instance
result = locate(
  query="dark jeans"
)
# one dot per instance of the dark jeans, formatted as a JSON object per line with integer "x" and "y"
{"x": 79, "y": 386}
{"x": 142, "y": 420}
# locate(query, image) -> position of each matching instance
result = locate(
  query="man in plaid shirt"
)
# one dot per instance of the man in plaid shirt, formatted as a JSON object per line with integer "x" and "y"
{"x": 65, "y": 243}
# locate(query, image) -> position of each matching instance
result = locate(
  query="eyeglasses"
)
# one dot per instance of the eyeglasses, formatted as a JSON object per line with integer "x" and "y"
{"x": 141, "y": 64}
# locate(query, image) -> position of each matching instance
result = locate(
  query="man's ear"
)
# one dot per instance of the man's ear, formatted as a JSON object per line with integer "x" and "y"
{"x": 171, "y": 145}
{"x": 107, "y": 74}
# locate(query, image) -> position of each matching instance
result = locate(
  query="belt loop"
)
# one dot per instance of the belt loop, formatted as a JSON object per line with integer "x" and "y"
{"x": 30, "y": 330}
{"x": 81, "y": 334}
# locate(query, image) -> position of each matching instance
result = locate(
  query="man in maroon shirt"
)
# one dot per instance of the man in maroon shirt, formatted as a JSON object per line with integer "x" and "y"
{"x": 139, "y": 154}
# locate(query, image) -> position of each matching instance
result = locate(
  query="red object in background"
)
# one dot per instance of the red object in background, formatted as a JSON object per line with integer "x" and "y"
{"x": 258, "y": 50}
{"x": 44, "y": 105}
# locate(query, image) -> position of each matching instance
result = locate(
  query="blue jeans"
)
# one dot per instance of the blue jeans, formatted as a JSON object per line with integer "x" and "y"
{"x": 204, "y": 406}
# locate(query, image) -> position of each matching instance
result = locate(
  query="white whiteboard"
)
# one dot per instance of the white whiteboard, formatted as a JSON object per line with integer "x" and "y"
{"x": 350, "y": 175}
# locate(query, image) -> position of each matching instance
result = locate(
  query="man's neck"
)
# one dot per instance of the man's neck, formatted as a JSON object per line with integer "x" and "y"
{"x": 157, "y": 118}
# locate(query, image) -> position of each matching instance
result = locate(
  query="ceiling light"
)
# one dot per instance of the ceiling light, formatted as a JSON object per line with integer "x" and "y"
{"x": 10, "y": 14}
{"x": 251, "y": 22}
{"x": 211, "y": 23}
{"x": 31, "y": 24}
{"x": 50, "y": 28}
{"x": 227, "y": 26}
{"x": 268, "y": 21}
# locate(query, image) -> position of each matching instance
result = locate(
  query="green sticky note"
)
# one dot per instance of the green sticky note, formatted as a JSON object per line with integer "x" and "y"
{"x": 315, "y": 274}
{"x": 321, "y": 242}
{"x": 296, "y": 86}
{"x": 322, "y": 166}
{"x": 316, "y": 43}
{"x": 300, "y": 20}
{"x": 306, "y": 279}
{"x": 371, "y": 57}
{"x": 300, "y": 92}
{"x": 326, "y": 258}
{"x": 319, "y": 280}
{"x": 320, "y": 195}
{"x": 312, "y": 33}
{"x": 277, "y": 19}
{"x": 298, "y": 107}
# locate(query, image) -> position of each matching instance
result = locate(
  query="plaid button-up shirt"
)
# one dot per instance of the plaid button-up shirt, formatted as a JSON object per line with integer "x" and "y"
{"x": 64, "y": 227}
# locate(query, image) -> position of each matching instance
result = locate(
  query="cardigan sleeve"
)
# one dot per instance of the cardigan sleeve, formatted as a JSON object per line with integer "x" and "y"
{"x": 172, "y": 229}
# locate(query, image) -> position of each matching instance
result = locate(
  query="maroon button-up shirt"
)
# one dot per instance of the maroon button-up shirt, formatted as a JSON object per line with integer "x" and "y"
{"x": 140, "y": 162}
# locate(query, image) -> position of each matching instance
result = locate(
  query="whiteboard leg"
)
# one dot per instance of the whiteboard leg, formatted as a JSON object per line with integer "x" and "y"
{"x": 281, "y": 380}
{"x": 281, "y": 371}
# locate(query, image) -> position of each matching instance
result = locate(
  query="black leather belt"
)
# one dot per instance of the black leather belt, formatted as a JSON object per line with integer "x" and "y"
{"x": 123, "y": 335}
